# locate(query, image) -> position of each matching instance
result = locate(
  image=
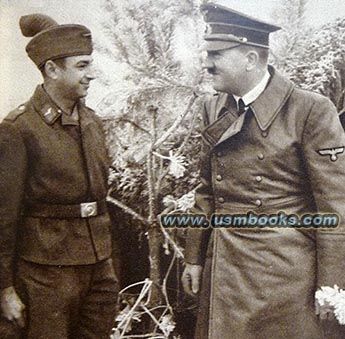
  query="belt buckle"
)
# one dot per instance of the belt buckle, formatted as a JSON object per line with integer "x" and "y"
{"x": 88, "y": 209}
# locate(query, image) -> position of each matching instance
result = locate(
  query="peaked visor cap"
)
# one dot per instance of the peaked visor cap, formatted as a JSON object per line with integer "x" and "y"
{"x": 227, "y": 28}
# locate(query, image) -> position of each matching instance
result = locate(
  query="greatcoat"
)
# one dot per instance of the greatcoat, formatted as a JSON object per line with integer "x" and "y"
{"x": 260, "y": 283}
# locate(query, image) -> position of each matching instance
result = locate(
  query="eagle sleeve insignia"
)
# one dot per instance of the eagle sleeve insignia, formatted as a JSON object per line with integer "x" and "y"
{"x": 331, "y": 152}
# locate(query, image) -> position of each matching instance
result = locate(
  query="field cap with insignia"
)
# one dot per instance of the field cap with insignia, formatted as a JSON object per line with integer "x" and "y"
{"x": 228, "y": 28}
{"x": 52, "y": 41}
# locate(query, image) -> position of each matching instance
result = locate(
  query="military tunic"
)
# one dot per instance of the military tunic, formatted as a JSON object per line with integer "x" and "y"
{"x": 49, "y": 165}
{"x": 260, "y": 283}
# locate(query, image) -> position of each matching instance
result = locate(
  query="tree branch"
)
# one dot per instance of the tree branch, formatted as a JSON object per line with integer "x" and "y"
{"x": 177, "y": 122}
{"x": 127, "y": 209}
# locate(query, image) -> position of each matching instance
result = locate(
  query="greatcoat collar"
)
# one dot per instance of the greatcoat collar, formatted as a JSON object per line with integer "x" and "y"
{"x": 270, "y": 102}
{"x": 224, "y": 122}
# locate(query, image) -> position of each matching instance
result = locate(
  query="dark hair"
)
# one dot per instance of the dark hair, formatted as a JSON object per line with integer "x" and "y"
{"x": 263, "y": 54}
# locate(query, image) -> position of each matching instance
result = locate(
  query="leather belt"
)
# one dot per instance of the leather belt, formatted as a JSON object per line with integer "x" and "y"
{"x": 82, "y": 210}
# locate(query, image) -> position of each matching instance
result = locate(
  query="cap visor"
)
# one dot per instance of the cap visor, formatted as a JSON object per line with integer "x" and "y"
{"x": 218, "y": 45}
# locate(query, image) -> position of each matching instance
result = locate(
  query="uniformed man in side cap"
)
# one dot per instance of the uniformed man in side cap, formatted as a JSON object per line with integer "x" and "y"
{"x": 267, "y": 147}
{"x": 57, "y": 280}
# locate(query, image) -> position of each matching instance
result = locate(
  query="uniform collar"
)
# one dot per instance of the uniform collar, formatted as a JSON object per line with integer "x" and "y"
{"x": 266, "y": 107}
{"x": 71, "y": 119}
{"x": 49, "y": 111}
{"x": 269, "y": 103}
{"x": 254, "y": 93}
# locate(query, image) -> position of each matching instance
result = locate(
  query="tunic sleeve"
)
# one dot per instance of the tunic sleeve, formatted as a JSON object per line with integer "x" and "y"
{"x": 13, "y": 165}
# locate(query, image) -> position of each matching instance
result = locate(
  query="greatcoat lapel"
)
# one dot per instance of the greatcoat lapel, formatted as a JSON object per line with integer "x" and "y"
{"x": 222, "y": 115}
{"x": 224, "y": 122}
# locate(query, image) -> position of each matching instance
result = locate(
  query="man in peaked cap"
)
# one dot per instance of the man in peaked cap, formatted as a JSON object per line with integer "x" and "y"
{"x": 57, "y": 280}
{"x": 267, "y": 147}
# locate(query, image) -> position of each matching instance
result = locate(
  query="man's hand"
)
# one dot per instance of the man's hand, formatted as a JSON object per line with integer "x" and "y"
{"x": 12, "y": 307}
{"x": 325, "y": 311}
{"x": 191, "y": 278}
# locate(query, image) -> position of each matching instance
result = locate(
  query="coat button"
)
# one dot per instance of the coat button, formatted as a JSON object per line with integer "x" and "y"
{"x": 258, "y": 178}
{"x": 219, "y": 177}
{"x": 258, "y": 202}
{"x": 219, "y": 154}
{"x": 261, "y": 156}
{"x": 221, "y": 199}
{"x": 264, "y": 134}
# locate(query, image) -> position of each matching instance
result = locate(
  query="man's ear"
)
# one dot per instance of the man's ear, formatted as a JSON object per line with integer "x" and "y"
{"x": 252, "y": 60}
{"x": 51, "y": 69}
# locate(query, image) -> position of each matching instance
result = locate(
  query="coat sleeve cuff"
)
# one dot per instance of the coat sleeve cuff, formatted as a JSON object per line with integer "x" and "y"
{"x": 196, "y": 245}
{"x": 6, "y": 277}
{"x": 330, "y": 259}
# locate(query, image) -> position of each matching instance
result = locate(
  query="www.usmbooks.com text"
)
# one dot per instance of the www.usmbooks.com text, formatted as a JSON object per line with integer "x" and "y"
{"x": 250, "y": 220}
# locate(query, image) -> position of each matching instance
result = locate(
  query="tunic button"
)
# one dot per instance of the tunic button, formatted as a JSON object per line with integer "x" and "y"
{"x": 59, "y": 111}
{"x": 258, "y": 202}
{"x": 221, "y": 199}
{"x": 261, "y": 156}
{"x": 219, "y": 154}
{"x": 219, "y": 177}
{"x": 264, "y": 134}
{"x": 258, "y": 178}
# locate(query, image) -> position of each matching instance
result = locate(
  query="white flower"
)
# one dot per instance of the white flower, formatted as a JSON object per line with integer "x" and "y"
{"x": 334, "y": 297}
{"x": 326, "y": 293}
{"x": 167, "y": 324}
{"x": 186, "y": 201}
{"x": 339, "y": 307}
{"x": 177, "y": 165}
{"x": 169, "y": 200}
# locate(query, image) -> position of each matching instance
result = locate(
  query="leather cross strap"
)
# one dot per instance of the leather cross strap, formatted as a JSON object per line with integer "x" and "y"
{"x": 82, "y": 210}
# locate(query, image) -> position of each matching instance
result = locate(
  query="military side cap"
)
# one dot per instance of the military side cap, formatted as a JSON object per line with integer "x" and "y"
{"x": 52, "y": 41}
{"x": 228, "y": 28}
